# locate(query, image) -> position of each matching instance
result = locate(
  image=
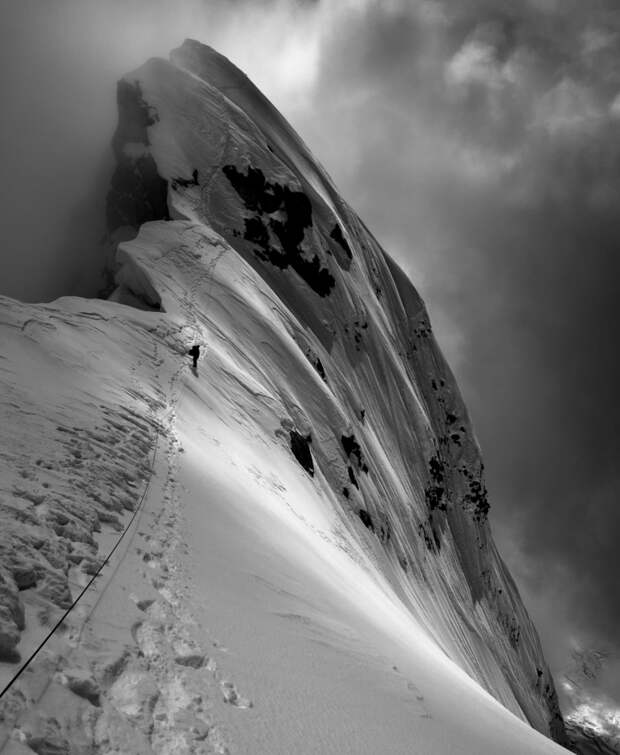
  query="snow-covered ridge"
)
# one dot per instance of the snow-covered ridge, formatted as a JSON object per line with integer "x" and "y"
{"x": 79, "y": 416}
{"x": 354, "y": 367}
{"x": 322, "y": 413}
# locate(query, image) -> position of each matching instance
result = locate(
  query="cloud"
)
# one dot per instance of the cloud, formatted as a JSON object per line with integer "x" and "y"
{"x": 481, "y": 147}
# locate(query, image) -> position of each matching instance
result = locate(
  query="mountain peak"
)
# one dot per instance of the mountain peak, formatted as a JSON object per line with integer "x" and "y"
{"x": 257, "y": 185}
{"x": 319, "y": 461}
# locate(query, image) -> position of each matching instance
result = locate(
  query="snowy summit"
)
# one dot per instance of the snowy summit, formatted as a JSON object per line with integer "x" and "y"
{"x": 301, "y": 560}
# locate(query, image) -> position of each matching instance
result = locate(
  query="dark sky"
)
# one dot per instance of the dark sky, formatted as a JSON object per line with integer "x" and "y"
{"x": 479, "y": 139}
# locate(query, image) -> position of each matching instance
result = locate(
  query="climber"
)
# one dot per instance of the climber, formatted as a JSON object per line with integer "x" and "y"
{"x": 194, "y": 352}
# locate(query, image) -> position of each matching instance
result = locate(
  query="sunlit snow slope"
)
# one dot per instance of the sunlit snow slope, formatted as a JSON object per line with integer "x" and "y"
{"x": 328, "y": 453}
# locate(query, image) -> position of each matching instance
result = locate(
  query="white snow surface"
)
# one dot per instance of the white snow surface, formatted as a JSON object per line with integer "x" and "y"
{"x": 253, "y": 610}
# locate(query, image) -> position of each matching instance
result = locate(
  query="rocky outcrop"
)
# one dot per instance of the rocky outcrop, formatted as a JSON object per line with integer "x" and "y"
{"x": 137, "y": 192}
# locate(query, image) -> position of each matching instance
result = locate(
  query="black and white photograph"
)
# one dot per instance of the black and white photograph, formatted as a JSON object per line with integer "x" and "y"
{"x": 309, "y": 376}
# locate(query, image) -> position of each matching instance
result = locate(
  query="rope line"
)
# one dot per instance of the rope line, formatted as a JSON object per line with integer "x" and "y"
{"x": 92, "y": 579}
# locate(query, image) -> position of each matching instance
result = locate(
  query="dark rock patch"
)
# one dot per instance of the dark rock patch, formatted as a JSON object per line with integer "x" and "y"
{"x": 337, "y": 235}
{"x": 294, "y": 215}
{"x": 319, "y": 368}
{"x": 262, "y": 196}
{"x": 135, "y": 116}
{"x": 434, "y": 495}
{"x": 435, "y": 491}
{"x": 138, "y": 193}
{"x": 366, "y": 519}
{"x": 352, "y": 449}
{"x": 356, "y": 329}
{"x": 477, "y": 497}
{"x": 257, "y": 232}
{"x": 300, "y": 446}
{"x": 423, "y": 330}
{"x": 352, "y": 477}
{"x": 436, "y": 469}
{"x": 358, "y": 333}
{"x": 317, "y": 364}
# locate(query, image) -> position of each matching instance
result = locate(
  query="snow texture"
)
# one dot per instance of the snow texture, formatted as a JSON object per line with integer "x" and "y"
{"x": 311, "y": 569}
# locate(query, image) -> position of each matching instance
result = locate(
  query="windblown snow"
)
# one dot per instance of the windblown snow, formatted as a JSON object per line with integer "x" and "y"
{"x": 308, "y": 567}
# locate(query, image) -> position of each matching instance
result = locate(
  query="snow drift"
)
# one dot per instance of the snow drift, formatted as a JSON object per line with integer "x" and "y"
{"x": 324, "y": 435}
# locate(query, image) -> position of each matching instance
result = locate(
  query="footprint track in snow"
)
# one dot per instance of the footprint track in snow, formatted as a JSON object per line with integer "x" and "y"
{"x": 232, "y": 697}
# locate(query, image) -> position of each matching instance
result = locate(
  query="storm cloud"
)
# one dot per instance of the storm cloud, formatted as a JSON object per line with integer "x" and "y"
{"x": 483, "y": 150}
{"x": 479, "y": 141}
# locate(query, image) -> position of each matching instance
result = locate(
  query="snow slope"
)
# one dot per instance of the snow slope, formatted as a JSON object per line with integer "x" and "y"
{"x": 341, "y": 590}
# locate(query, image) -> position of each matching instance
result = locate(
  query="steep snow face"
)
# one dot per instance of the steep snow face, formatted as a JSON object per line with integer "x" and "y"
{"x": 316, "y": 341}
{"x": 307, "y": 565}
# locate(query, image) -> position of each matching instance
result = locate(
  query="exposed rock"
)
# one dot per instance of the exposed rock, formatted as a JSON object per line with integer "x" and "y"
{"x": 366, "y": 519}
{"x": 338, "y": 236}
{"x": 278, "y": 225}
{"x": 300, "y": 446}
{"x": 137, "y": 193}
